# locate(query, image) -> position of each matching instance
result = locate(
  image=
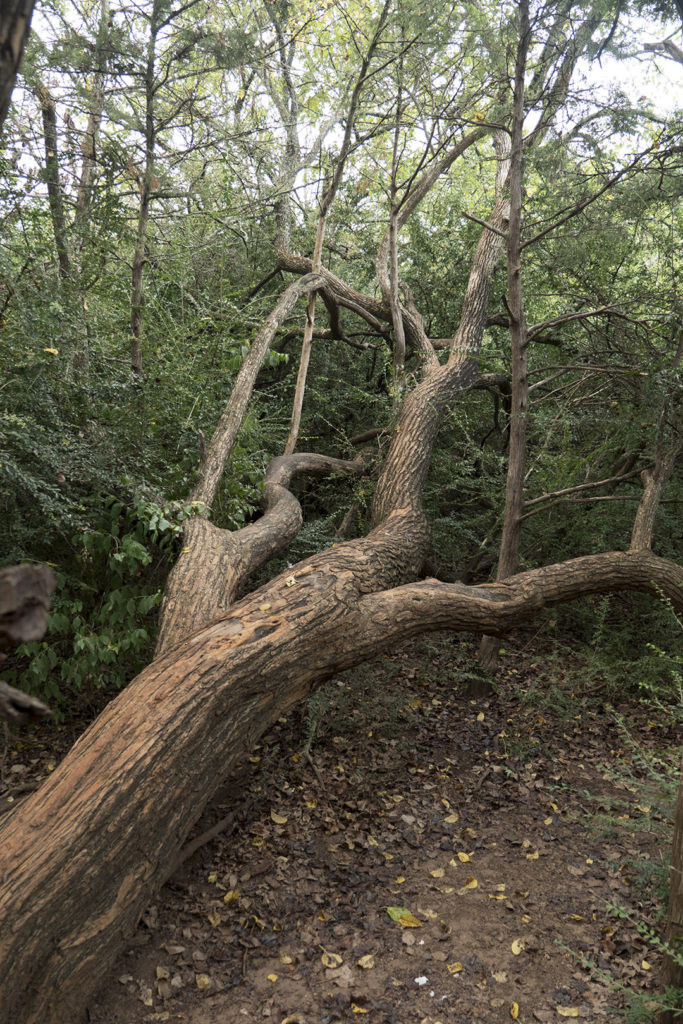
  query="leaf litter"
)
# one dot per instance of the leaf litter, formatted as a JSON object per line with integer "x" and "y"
{"x": 289, "y": 917}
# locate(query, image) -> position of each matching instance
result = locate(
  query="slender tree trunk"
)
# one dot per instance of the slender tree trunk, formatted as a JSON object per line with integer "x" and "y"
{"x": 655, "y": 479}
{"x": 145, "y": 187}
{"x": 508, "y": 557}
{"x": 54, "y": 186}
{"x": 89, "y": 143}
{"x": 306, "y": 344}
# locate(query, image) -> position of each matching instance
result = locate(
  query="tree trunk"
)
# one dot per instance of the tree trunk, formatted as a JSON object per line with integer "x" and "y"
{"x": 508, "y": 557}
{"x": 54, "y": 186}
{"x": 15, "y": 24}
{"x": 145, "y": 189}
{"x": 81, "y": 856}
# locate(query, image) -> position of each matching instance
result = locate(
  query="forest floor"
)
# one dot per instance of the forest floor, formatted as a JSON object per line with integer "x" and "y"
{"x": 438, "y": 858}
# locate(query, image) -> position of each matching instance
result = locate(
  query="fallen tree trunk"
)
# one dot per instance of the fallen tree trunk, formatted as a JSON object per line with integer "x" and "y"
{"x": 81, "y": 856}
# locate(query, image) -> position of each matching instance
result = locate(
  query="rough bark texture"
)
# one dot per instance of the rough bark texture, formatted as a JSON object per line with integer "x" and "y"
{"x": 15, "y": 24}
{"x": 215, "y": 563}
{"x": 81, "y": 856}
{"x": 54, "y": 187}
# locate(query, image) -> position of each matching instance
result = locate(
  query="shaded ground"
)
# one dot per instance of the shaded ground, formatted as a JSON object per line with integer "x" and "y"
{"x": 507, "y": 826}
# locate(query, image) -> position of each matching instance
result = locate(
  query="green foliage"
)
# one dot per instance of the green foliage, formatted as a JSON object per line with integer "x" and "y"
{"x": 101, "y": 625}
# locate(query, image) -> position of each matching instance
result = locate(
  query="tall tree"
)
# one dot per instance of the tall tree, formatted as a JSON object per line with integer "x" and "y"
{"x": 81, "y": 856}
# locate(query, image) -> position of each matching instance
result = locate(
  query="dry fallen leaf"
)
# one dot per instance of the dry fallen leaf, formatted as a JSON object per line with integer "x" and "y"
{"x": 517, "y": 946}
{"x": 358, "y": 1009}
{"x": 279, "y": 819}
{"x": 454, "y": 968}
{"x": 366, "y": 962}
{"x": 437, "y": 873}
{"x": 514, "y": 1011}
{"x": 567, "y": 1011}
{"x": 331, "y": 960}
{"x": 202, "y": 981}
{"x": 272, "y": 977}
{"x": 464, "y": 858}
{"x": 471, "y": 883}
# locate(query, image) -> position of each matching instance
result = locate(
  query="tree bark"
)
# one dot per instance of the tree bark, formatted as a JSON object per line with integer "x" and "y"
{"x": 508, "y": 557}
{"x": 145, "y": 188}
{"x": 81, "y": 856}
{"x": 15, "y": 25}
{"x": 54, "y": 186}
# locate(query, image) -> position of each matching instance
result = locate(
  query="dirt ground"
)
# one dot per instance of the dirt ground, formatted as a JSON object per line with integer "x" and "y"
{"x": 436, "y": 858}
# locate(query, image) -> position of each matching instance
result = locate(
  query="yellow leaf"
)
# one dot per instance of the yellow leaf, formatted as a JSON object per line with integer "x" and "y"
{"x": 464, "y": 858}
{"x": 532, "y": 856}
{"x": 213, "y": 877}
{"x": 437, "y": 873}
{"x": 358, "y": 1009}
{"x": 500, "y": 887}
{"x": 471, "y": 883}
{"x": 214, "y": 918}
{"x": 232, "y": 894}
{"x": 554, "y": 807}
{"x": 52, "y": 351}
{"x": 645, "y": 965}
{"x": 202, "y": 981}
{"x": 264, "y": 607}
{"x": 279, "y": 819}
{"x": 567, "y": 1011}
{"x": 366, "y": 962}
{"x": 290, "y": 581}
{"x": 452, "y": 818}
{"x": 285, "y": 959}
{"x": 400, "y": 880}
{"x": 547, "y": 821}
{"x": 408, "y": 921}
{"x": 257, "y": 841}
{"x": 454, "y": 968}
{"x": 517, "y": 946}
{"x": 311, "y": 804}
{"x": 331, "y": 960}
{"x": 576, "y": 917}
{"x": 514, "y": 1011}
{"x": 480, "y": 716}
{"x": 272, "y": 977}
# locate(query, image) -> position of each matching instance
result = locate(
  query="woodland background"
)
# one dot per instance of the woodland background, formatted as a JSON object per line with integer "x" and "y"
{"x": 166, "y": 169}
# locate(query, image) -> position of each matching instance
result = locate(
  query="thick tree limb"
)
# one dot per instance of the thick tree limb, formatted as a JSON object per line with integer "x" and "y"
{"x": 215, "y": 564}
{"x": 229, "y": 424}
{"x": 81, "y": 856}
